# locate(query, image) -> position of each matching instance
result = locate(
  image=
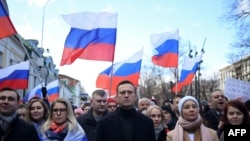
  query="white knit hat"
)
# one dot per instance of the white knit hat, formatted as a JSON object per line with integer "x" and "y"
{"x": 183, "y": 100}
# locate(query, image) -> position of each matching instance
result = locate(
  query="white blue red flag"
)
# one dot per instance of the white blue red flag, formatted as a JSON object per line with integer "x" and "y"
{"x": 92, "y": 37}
{"x": 15, "y": 76}
{"x": 128, "y": 69}
{"x": 188, "y": 71}
{"x": 167, "y": 47}
{"x": 52, "y": 91}
{"x": 6, "y": 26}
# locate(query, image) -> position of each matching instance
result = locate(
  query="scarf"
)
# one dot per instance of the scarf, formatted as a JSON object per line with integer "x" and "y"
{"x": 38, "y": 128}
{"x": 56, "y": 132}
{"x": 183, "y": 127}
{"x": 158, "y": 129}
{"x": 5, "y": 121}
{"x": 57, "y": 128}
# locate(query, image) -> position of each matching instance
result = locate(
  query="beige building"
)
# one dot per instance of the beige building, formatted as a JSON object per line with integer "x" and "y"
{"x": 239, "y": 70}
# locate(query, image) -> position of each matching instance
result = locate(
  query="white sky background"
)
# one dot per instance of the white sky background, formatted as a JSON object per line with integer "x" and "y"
{"x": 137, "y": 20}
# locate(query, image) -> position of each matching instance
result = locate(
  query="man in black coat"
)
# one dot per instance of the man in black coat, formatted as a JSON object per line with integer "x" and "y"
{"x": 218, "y": 102}
{"x": 98, "y": 110}
{"x": 126, "y": 123}
{"x": 11, "y": 127}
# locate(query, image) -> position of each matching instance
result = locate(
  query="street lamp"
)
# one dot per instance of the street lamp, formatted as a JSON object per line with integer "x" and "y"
{"x": 43, "y": 21}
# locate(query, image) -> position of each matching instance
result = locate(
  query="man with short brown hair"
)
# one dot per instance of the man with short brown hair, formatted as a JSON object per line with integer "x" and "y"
{"x": 12, "y": 128}
{"x": 97, "y": 111}
{"x": 126, "y": 123}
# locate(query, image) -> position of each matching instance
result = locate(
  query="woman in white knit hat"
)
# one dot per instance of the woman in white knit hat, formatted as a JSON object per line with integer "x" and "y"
{"x": 190, "y": 126}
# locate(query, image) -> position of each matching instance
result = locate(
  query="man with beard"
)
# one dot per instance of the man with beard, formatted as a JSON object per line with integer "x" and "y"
{"x": 217, "y": 102}
{"x": 98, "y": 110}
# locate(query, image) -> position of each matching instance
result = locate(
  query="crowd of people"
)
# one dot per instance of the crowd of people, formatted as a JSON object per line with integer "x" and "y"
{"x": 103, "y": 118}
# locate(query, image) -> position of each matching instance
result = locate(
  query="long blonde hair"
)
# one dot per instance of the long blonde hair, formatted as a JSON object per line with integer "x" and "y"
{"x": 71, "y": 120}
{"x": 150, "y": 108}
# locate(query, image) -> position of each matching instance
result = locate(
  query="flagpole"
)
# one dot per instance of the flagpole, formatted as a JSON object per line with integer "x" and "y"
{"x": 198, "y": 84}
{"x": 26, "y": 52}
{"x": 43, "y": 21}
{"x": 111, "y": 76}
{"x": 176, "y": 71}
{"x": 188, "y": 89}
{"x": 190, "y": 56}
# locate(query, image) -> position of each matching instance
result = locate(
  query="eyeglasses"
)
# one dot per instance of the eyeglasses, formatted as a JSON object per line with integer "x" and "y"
{"x": 3, "y": 98}
{"x": 59, "y": 110}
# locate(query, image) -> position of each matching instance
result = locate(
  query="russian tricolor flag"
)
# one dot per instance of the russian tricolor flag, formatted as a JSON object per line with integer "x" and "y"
{"x": 6, "y": 26}
{"x": 52, "y": 91}
{"x": 129, "y": 69}
{"x": 167, "y": 46}
{"x": 188, "y": 71}
{"x": 15, "y": 76}
{"x": 92, "y": 37}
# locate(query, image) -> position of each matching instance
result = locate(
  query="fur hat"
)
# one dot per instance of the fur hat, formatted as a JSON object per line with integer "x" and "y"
{"x": 183, "y": 100}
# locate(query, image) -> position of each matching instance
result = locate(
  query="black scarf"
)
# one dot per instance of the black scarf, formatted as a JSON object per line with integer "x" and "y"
{"x": 6, "y": 121}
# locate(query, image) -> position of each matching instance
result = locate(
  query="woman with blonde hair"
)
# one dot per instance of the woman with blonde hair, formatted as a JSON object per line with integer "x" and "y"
{"x": 61, "y": 124}
{"x": 156, "y": 114}
{"x": 189, "y": 126}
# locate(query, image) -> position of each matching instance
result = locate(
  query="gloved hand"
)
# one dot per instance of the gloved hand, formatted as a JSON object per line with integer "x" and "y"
{"x": 44, "y": 92}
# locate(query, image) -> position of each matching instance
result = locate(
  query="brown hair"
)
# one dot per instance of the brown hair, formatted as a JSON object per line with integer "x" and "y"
{"x": 238, "y": 105}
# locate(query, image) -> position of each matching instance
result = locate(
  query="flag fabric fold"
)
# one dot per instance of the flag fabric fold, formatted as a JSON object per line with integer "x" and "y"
{"x": 188, "y": 71}
{"x": 128, "y": 69}
{"x": 52, "y": 91}
{"x": 15, "y": 76}
{"x": 167, "y": 47}
{"x": 6, "y": 26}
{"x": 92, "y": 37}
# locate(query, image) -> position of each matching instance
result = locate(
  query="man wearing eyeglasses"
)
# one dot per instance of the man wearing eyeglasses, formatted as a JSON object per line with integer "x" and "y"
{"x": 98, "y": 110}
{"x": 12, "y": 128}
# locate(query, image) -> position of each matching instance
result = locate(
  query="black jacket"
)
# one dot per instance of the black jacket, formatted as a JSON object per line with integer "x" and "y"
{"x": 111, "y": 127}
{"x": 88, "y": 123}
{"x": 211, "y": 119}
{"x": 163, "y": 135}
{"x": 20, "y": 130}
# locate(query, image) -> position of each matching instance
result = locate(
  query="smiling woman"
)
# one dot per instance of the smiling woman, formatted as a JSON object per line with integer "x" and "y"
{"x": 37, "y": 114}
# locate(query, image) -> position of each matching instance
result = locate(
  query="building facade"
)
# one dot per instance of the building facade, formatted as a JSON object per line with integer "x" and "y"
{"x": 239, "y": 70}
{"x": 14, "y": 49}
